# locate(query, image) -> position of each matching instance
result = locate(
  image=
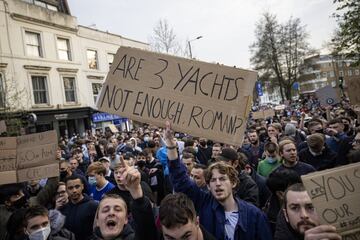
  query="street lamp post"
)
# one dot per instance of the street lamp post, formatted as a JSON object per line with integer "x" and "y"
{"x": 189, "y": 43}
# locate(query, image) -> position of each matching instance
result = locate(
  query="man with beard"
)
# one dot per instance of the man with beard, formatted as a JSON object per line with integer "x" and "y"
{"x": 290, "y": 159}
{"x": 204, "y": 152}
{"x": 216, "y": 150}
{"x": 80, "y": 210}
{"x": 299, "y": 219}
{"x": 255, "y": 149}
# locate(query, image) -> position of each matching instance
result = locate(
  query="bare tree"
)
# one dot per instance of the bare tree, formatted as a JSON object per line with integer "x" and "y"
{"x": 164, "y": 39}
{"x": 13, "y": 101}
{"x": 278, "y": 51}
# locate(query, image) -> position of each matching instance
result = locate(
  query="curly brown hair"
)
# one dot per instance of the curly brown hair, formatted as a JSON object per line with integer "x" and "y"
{"x": 225, "y": 169}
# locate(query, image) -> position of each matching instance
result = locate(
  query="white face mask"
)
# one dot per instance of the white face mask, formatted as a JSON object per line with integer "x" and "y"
{"x": 40, "y": 234}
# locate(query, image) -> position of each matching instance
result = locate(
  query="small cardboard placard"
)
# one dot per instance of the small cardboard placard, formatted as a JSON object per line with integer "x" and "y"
{"x": 39, "y": 172}
{"x": 263, "y": 114}
{"x": 113, "y": 128}
{"x": 28, "y": 157}
{"x": 335, "y": 194}
{"x": 353, "y": 90}
{"x": 203, "y": 99}
{"x": 327, "y": 96}
{"x": 269, "y": 113}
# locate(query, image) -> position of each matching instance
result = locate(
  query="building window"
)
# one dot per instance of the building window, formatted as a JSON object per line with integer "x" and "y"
{"x": 357, "y": 72}
{"x": 340, "y": 64}
{"x": 110, "y": 57}
{"x": 318, "y": 75}
{"x": 42, "y": 4}
{"x": 324, "y": 74}
{"x": 2, "y": 91}
{"x": 92, "y": 59}
{"x": 39, "y": 3}
{"x": 349, "y": 72}
{"x": 33, "y": 44}
{"x": 40, "y": 91}
{"x": 70, "y": 89}
{"x": 341, "y": 73}
{"x": 64, "y": 49}
{"x": 96, "y": 87}
{"x": 331, "y": 74}
{"x": 52, "y": 7}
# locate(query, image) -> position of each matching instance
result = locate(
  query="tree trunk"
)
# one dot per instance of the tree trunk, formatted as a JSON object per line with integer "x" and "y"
{"x": 288, "y": 92}
{"x": 281, "y": 90}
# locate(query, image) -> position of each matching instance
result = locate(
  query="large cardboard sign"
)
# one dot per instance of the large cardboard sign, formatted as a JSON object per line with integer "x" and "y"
{"x": 203, "y": 99}
{"x": 335, "y": 194}
{"x": 353, "y": 91}
{"x": 327, "y": 96}
{"x": 28, "y": 157}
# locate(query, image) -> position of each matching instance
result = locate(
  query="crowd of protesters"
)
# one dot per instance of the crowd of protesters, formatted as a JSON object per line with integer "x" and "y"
{"x": 151, "y": 183}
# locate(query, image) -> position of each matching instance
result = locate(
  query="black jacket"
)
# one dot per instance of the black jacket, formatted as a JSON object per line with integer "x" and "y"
{"x": 264, "y": 192}
{"x": 324, "y": 161}
{"x": 284, "y": 231}
{"x": 247, "y": 189}
{"x": 80, "y": 217}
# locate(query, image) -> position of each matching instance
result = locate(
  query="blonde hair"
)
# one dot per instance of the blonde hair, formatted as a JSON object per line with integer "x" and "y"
{"x": 98, "y": 167}
{"x": 283, "y": 143}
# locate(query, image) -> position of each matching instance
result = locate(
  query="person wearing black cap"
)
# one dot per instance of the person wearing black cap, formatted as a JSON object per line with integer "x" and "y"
{"x": 247, "y": 189}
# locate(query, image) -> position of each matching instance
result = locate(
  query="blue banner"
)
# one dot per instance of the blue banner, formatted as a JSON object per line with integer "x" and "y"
{"x": 102, "y": 117}
{"x": 259, "y": 88}
{"x": 296, "y": 86}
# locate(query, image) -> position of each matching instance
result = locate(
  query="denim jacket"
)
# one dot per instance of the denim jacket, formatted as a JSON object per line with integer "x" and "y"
{"x": 252, "y": 223}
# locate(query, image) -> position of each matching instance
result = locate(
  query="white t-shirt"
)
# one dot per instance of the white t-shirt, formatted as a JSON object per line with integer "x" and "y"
{"x": 231, "y": 219}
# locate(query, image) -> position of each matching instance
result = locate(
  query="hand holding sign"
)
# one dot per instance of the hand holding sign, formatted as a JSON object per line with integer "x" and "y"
{"x": 130, "y": 178}
{"x": 322, "y": 232}
{"x": 335, "y": 194}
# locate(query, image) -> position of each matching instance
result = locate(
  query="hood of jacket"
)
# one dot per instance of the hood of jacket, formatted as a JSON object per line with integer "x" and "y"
{"x": 126, "y": 234}
{"x": 57, "y": 221}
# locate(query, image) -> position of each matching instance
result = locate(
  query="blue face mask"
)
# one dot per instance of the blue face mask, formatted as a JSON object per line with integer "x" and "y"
{"x": 92, "y": 180}
{"x": 271, "y": 160}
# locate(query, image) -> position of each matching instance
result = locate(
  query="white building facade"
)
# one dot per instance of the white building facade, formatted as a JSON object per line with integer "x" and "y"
{"x": 53, "y": 67}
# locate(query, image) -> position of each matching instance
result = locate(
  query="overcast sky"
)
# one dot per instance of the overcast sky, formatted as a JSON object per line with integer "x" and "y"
{"x": 227, "y": 26}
